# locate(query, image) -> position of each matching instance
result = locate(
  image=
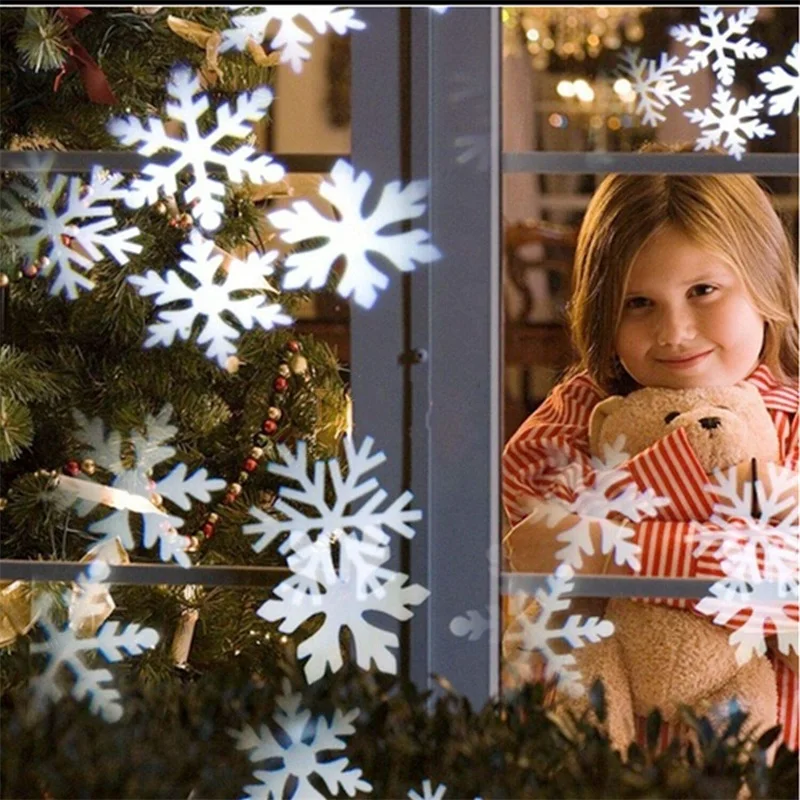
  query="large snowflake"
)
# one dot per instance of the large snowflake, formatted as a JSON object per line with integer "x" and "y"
{"x": 719, "y": 46}
{"x": 362, "y": 585}
{"x": 211, "y": 299}
{"x": 758, "y": 556}
{"x": 63, "y": 647}
{"x": 131, "y": 460}
{"x": 204, "y": 193}
{"x": 783, "y": 86}
{"x": 290, "y": 39}
{"x": 737, "y": 124}
{"x": 355, "y": 504}
{"x": 62, "y": 223}
{"x": 537, "y": 635}
{"x": 308, "y": 738}
{"x": 653, "y": 83}
{"x": 352, "y": 236}
{"x": 597, "y": 500}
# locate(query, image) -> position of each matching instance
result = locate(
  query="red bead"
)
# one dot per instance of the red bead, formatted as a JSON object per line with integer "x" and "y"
{"x": 208, "y": 530}
{"x": 280, "y": 384}
{"x": 72, "y": 468}
{"x": 294, "y": 346}
{"x": 66, "y": 240}
{"x": 250, "y": 464}
{"x": 269, "y": 426}
{"x": 229, "y": 499}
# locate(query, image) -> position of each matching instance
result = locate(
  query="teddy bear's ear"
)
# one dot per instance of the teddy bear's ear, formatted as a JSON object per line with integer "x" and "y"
{"x": 605, "y": 408}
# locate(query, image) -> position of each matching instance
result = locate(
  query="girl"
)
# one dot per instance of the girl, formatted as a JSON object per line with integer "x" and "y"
{"x": 679, "y": 281}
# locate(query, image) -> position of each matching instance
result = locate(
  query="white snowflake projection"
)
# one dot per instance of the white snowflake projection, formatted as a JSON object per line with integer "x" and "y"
{"x": 427, "y": 792}
{"x": 211, "y": 299}
{"x": 62, "y": 224}
{"x": 720, "y": 45}
{"x": 290, "y": 39}
{"x": 653, "y": 83}
{"x": 63, "y": 647}
{"x": 354, "y": 521}
{"x": 593, "y": 505}
{"x": 738, "y": 124}
{"x": 363, "y": 585}
{"x": 132, "y": 460}
{"x": 537, "y": 635}
{"x": 308, "y": 738}
{"x": 763, "y": 604}
{"x": 472, "y": 625}
{"x": 355, "y": 506}
{"x": 353, "y": 236}
{"x": 205, "y": 192}
{"x": 783, "y": 86}
{"x": 758, "y": 556}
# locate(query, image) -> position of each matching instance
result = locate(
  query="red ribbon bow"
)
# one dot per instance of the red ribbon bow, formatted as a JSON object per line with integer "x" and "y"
{"x": 93, "y": 78}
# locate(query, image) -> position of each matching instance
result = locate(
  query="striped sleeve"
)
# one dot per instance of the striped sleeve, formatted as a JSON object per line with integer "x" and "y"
{"x": 671, "y": 468}
{"x": 555, "y": 437}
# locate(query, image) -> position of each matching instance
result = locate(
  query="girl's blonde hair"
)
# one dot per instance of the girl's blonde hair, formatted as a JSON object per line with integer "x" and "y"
{"x": 729, "y": 215}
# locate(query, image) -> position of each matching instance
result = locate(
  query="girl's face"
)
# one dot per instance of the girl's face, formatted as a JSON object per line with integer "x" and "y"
{"x": 687, "y": 320}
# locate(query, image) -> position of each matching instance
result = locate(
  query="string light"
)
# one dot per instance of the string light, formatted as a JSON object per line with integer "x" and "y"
{"x": 577, "y": 33}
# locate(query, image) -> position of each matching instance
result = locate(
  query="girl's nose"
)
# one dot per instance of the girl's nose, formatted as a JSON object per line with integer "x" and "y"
{"x": 674, "y": 328}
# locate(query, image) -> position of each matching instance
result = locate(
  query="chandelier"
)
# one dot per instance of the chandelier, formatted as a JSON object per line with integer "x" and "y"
{"x": 569, "y": 32}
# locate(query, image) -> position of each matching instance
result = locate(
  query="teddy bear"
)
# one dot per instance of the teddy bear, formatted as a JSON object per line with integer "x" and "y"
{"x": 659, "y": 656}
{"x": 664, "y": 657}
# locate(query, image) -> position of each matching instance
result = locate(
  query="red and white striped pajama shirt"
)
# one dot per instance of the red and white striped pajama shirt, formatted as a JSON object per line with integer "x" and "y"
{"x": 670, "y": 467}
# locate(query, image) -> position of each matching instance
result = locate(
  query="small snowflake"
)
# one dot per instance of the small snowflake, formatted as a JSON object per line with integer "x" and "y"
{"x": 300, "y": 759}
{"x": 750, "y": 547}
{"x": 290, "y": 40}
{"x": 755, "y": 555}
{"x": 594, "y": 502}
{"x": 352, "y": 236}
{"x": 132, "y": 461}
{"x": 730, "y": 597}
{"x": 717, "y": 44}
{"x": 738, "y": 126}
{"x": 362, "y": 585}
{"x": 204, "y": 193}
{"x": 427, "y": 792}
{"x": 577, "y": 632}
{"x": 342, "y": 513}
{"x": 211, "y": 299}
{"x": 51, "y": 235}
{"x": 784, "y": 87}
{"x": 654, "y": 84}
{"x": 64, "y": 648}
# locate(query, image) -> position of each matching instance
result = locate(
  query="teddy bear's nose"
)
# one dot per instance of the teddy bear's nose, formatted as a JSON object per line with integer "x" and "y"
{"x": 709, "y": 423}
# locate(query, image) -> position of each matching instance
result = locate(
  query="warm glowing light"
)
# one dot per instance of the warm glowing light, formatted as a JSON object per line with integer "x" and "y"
{"x": 532, "y": 35}
{"x": 583, "y": 91}
{"x": 566, "y": 88}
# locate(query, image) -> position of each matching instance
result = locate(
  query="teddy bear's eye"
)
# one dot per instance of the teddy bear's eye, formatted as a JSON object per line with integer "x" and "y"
{"x": 671, "y": 416}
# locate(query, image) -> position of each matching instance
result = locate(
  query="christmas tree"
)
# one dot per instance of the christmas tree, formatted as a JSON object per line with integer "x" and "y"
{"x": 146, "y": 350}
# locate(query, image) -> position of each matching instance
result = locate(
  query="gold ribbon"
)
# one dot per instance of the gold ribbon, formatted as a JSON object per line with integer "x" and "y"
{"x": 210, "y": 41}
{"x": 17, "y": 615}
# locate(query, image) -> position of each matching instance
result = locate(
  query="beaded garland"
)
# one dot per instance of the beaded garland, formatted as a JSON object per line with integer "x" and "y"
{"x": 297, "y": 365}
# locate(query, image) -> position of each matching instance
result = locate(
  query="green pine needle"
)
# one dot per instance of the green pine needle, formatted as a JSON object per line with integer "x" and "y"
{"x": 16, "y": 428}
{"x": 42, "y": 41}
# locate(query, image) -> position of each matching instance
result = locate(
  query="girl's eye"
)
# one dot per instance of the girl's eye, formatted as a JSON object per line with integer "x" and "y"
{"x": 636, "y": 302}
{"x": 704, "y": 289}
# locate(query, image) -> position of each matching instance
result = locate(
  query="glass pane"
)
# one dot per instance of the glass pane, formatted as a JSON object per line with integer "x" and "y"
{"x": 596, "y": 310}
{"x": 610, "y": 79}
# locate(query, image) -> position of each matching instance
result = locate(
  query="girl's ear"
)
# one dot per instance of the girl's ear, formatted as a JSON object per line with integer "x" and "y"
{"x": 600, "y": 413}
